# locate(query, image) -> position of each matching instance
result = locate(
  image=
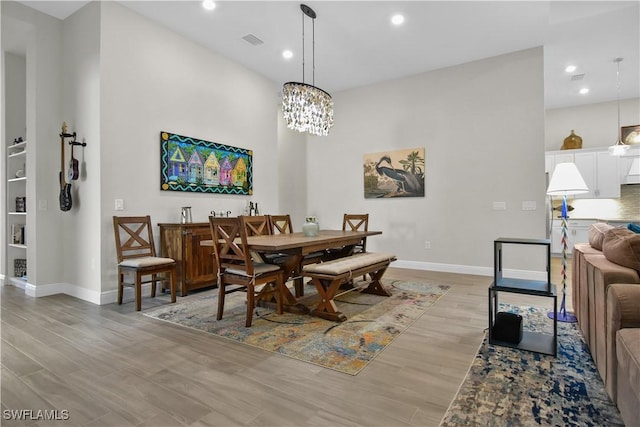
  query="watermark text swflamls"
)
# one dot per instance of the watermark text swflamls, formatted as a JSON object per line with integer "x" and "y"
{"x": 35, "y": 414}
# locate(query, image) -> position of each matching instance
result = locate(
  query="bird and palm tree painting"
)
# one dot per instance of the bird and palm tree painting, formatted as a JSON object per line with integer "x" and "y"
{"x": 397, "y": 173}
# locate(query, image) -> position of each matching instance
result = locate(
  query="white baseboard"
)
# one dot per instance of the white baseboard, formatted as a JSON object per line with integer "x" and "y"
{"x": 109, "y": 297}
{"x": 469, "y": 269}
{"x": 95, "y": 297}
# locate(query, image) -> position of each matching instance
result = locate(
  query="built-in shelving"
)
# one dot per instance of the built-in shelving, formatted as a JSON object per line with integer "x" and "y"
{"x": 16, "y": 217}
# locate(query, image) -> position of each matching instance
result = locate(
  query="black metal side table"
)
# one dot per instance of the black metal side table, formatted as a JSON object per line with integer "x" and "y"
{"x": 531, "y": 341}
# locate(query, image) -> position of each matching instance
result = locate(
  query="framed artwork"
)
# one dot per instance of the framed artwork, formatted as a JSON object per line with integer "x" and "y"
{"x": 197, "y": 166}
{"x": 398, "y": 173}
{"x": 630, "y": 134}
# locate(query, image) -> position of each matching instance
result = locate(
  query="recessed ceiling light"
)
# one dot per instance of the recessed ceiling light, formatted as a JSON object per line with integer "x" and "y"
{"x": 397, "y": 19}
{"x": 570, "y": 68}
{"x": 584, "y": 91}
{"x": 287, "y": 54}
{"x": 209, "y": 4}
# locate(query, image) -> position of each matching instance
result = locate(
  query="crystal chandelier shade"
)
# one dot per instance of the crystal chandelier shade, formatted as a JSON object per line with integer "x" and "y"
{"x": 305, "y": 107}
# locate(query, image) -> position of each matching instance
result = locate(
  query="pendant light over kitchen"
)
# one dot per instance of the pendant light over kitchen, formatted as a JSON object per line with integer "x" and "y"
{"x": 307, "y": 108}
{"x": 619, "y": 148}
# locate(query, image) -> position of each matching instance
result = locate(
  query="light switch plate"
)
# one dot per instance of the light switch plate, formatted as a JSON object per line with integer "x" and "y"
{"x": 119, "y": 205}
{"x": 529, "y": 206}
{"x": 499, "y": 206}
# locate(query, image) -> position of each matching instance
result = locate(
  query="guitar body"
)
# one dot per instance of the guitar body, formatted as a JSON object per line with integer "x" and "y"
{"x": 65, "y": 195}
{"x": 73, "y": 169}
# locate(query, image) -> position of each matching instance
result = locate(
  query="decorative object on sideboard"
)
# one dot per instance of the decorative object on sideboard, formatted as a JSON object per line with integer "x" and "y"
{"x": 619, "y": 148}
{"x": 185, "y": 215}
{"x": 572, "y": 142}
{"x": 630, "y": 134}
{"x": 226, "y": 214}
{"x": 305, "y": 107}
{"x": 566, "y": 180}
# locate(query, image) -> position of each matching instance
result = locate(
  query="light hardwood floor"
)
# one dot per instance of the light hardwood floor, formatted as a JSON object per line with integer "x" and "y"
{"x": 112, "y": 366}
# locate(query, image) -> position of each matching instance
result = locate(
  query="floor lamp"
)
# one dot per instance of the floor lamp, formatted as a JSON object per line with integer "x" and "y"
{"x": 566, "y": 180}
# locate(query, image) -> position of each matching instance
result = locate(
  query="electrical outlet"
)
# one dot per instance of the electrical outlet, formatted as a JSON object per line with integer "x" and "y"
{"x": 427, "y": 244}
{"x": 119, "y": 204}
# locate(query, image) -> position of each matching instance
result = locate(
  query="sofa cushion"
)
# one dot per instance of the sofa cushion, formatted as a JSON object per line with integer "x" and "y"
{"x": 628, "y": 349}
{"x": 622, "y": 247}
{"x": 596, "y": 234}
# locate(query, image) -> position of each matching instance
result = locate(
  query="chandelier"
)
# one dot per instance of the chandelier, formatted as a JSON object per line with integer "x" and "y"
{"x": 619, "y": 148}
{"x": 307, "y": 108}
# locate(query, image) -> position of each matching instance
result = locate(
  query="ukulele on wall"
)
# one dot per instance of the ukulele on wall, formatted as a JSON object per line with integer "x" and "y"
{"x": 73, "y": 172}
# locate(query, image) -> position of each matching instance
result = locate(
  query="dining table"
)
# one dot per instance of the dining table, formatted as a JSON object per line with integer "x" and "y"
{"x": 296, "y": 246}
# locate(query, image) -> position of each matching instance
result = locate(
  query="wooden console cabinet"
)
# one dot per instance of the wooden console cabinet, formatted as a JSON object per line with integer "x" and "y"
{"x": 195, "y": 262}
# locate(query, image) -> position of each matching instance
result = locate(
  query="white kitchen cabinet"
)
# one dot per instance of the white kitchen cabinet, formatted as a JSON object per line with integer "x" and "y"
{"x": 600, "y": 171}
{"x": 577, "y": 232}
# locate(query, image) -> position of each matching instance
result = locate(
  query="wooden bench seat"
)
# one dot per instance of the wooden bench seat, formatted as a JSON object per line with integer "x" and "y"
{"x": 329, "y": 276}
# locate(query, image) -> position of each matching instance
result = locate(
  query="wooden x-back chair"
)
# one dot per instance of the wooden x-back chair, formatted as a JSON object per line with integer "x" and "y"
{"x": 136, "y": 253}
{"x": 281, "y": 224}
{"x": 357, "y": 222}
{"x": 237, "y": 268}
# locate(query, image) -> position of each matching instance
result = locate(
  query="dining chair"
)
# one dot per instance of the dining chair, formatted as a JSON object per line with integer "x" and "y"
{"x": 136, "y": 255}
{"x": 281, "y": 224}
{"x": 237, "y": 268}
{"x": 351, "y": 222}
{"x": 357, "y": 222}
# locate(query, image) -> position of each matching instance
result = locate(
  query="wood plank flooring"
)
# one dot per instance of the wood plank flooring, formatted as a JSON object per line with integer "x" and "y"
{"x": 112, "y": 366}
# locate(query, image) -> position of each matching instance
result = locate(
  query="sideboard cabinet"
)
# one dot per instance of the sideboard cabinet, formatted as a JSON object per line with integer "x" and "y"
{"x": 195, "y": 262}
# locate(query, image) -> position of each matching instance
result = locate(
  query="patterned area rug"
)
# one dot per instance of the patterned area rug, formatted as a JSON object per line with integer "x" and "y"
{"x": 512, "y": 387}
{"x": 373, "y": 322}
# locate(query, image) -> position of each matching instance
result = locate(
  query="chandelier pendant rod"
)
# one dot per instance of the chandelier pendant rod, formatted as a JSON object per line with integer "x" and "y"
{"x": 303, "y": 48}
{"x": 313, "y": 52}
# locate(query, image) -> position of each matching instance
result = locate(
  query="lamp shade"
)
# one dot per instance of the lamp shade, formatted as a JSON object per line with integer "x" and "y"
{"x": 566, "y": 180}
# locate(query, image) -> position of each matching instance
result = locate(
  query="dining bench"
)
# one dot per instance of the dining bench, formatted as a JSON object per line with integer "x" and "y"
{"x": 328, "y": 277}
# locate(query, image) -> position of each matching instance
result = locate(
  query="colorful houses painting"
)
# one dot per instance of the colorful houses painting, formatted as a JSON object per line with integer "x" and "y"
{"x": 189, "y": 164}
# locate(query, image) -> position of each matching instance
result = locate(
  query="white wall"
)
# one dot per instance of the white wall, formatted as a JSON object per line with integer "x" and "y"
{"x": 81, "y": 105}
{"x": 43, "y": 119}
{"x": 481, "y": 124}
{"x": 292, "y": 173}
{"x": 154, "y": 80}
{"x": 597, "y": 124}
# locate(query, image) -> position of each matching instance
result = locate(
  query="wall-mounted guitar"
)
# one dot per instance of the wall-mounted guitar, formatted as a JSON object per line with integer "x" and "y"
{"x": 65, "y": 188}
{"x": 73, "y": 172}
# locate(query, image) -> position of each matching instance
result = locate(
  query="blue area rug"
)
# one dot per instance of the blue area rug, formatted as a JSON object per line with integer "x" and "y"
{"x": 510, "y": 387}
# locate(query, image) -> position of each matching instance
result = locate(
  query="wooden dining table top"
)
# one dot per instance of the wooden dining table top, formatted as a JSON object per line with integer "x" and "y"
{"x": 299, "y": 243}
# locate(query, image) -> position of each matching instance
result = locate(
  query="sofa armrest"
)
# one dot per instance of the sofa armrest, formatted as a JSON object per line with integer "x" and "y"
{"x": 623, "y": 311}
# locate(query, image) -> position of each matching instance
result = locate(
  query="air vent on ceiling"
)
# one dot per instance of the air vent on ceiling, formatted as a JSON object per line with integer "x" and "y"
{"x": 251, "y": 39}
{"x": 577, "y": 77}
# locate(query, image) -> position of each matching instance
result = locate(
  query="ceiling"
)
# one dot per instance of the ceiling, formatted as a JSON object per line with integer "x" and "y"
{"x": 356, "y": 45}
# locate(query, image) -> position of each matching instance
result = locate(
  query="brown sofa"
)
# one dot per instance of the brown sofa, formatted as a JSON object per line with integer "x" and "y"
{"x": 609, "y": 317}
